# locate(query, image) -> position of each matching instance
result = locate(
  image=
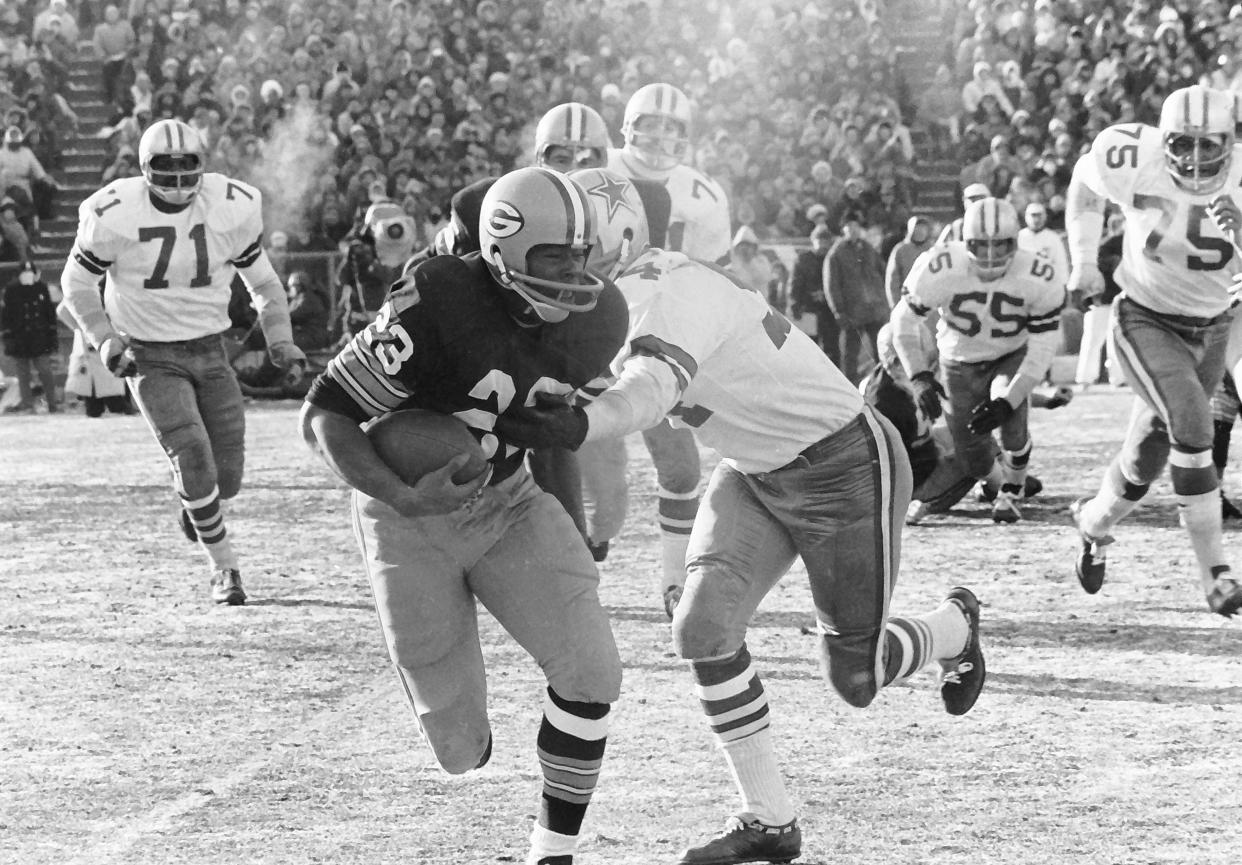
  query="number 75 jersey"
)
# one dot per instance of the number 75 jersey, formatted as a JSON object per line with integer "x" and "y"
{"x": 169, "y": 274}
{"x": 1175, "y": 259}
{"x": 984, "y": 319}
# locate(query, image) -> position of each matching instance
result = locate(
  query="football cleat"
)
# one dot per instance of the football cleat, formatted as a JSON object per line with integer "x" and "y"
{"x": 563, "y": 859}
{"x": 599, "y": 551}
{"x": 747, "y": 841}
{"x": 1031, "y": 487}
{"x": 187, "y": 527}
{"x": 1005, "y": 508}
{"x": 961, "y": 678}
{"x": 226, "y": 587}
{"x": 1225, "y": 597}
{"x": 672, "y": 597}
{"x": 1091, "y": 562}
{"x": 1228, "y": 510}
{"x": 917, "y": 512}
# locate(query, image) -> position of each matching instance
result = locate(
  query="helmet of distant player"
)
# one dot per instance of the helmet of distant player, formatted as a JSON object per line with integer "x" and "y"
{"x": 990, "y": 230}
{"x": 571, "y": 136}
{"x": 1197, "y": 129}
{"x": 171, "y": 158}
{"x": 391, "y": 229}
{"x": 656, "y": 126}
{"x": 533, "y": 207}
{"x": 621, "y": 217}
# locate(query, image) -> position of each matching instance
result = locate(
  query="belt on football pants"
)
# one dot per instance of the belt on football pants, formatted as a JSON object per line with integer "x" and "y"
{"x": 1182, "y": 320}
{"x": 208, "y": 341}
{"x": 813, "y": 453}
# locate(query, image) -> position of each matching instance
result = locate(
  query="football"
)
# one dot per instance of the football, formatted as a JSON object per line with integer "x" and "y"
{"x": 415, "y": 442}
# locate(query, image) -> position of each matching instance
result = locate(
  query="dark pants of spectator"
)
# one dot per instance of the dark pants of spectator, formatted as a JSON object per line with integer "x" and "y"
{"x": 829, "y": 336}
{"x": 27, "y": 368}
{"x": 851, "y": 349}
{"x": 112, "y": 71}
{"x": 95, "y": 405}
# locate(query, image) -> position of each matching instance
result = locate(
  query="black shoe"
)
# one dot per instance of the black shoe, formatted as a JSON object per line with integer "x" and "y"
{"x": 961, "y": 678}
{"x": 599, "y": 551}
{"x": 1092, "y": 561}
{"x": 564, "y": 859}
{"x": 672, "y": 597}
{"x": 1225, "y": 597}
{"x": 747, "y": 841}
{"x": 1228, "y": 510}
{"x": 1033, "y": 486}
{"x": 226, "y": 587}
{"x": 986, "y": 494}
{"x": 187, "y": 527}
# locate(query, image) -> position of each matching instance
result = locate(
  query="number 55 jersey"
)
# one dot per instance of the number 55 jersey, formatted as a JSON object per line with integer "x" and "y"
{"x": 1175, "y": 260}
{"x": 169, "y": 274}
{"x": 980, "y": 319}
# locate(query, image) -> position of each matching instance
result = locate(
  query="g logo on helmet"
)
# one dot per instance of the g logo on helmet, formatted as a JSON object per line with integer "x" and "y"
{"x": 505, "y": 221}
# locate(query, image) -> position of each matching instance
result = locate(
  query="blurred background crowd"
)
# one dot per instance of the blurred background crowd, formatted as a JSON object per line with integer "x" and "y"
{"x": 806, "y": 111}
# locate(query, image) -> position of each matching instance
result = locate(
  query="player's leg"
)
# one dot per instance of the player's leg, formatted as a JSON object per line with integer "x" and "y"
{"x": 605, "y": 491}
{"x": 1091, "y": 349}
{"x": 737, "y": 553}
{"x": 844, "y": 514}
{"x": 675, "y": 455}
{"x": 164, "y": 391}
{"x": 539, "y": 582}
{"x": 427, "y": 615}
{"x": 1015, "y": 443}
{"x": 967, "y": 385}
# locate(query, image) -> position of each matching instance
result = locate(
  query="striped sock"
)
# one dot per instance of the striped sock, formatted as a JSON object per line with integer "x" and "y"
{"x": 1013, "y": 469}
{"x": 910, "y": 642}
{"x": 736, "y": 705}
{"x": 207, "y": 516}
{"x": 675, "y": 512}
{"x": 571, "y": 750}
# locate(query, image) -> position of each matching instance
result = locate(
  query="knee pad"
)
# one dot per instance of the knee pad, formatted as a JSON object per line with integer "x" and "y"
{"x": 458, "y": 747}
{"x": 588, "y": 680}
{"x": 189, "y": 452}
{"x": 849, "y": 665}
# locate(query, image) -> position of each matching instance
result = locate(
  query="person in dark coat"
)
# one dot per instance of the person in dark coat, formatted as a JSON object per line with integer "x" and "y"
{"x": 806, "y": 292}
{"x": 28, "y": 330}
{"x": 854, "y": 286}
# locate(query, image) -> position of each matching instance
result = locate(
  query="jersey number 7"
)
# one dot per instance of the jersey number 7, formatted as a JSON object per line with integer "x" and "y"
{"x": 166, "y": 235}
{"x": 1222, "y": 248}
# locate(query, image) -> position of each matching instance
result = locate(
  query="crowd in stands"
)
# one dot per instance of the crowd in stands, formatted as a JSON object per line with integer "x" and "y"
{"x": 1026, "y": 86}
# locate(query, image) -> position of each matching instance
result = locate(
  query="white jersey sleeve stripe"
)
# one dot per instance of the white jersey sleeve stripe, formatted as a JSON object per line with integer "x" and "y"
{"x": 683, "y": 365}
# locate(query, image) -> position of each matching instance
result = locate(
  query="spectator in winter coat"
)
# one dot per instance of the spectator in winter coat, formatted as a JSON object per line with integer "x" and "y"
{"x": 28, "y": 330}
{"x": 854, "y": 286}
{"x": 752, "y": 269}
{"x": 901, "y": 259}
{"x": 806, "y": 293}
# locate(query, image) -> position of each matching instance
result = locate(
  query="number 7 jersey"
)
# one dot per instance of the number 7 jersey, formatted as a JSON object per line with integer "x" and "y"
{"x": 169, "y": 274}
{"x": 1175, "y": 260}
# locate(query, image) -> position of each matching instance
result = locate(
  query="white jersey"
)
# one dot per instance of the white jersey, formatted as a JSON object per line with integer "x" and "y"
{"x": 169, "y": 274}
{"x": 1049, "y": 245}
{"x": 982, "y": 319}
{"x": 699, "y": 221}
{"x": 753, "y": 387}
{"x": 1175, "y": 260}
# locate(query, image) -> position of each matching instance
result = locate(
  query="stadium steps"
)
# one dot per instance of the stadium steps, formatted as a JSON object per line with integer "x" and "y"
{"x": 84, "y": 155}
{"x": 922, "y": 45}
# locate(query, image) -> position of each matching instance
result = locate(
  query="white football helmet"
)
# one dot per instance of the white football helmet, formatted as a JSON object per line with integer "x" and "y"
{"x": 990, "y": 230}
{"x": 579, "y": 130}
{"x": 622, "y": 220}
{"x": 531, "y": 207}
{"x": 171, "y": 158}
{"x": 663, "y": 113}
{"x": 1197, "y": 125}
{"x": 392, "y": 230}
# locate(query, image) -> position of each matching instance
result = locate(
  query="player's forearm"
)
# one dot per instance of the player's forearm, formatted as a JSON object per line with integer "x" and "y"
{"x": 1084, "y": 217}
{"x": 1039, "y": 353}
{"x": 907, "y": 340}
{"x": 345, "y": 448}
{"x": 82, "y": 299}
{"x": 644, "y": 393}
{"x": 270, "y": 301}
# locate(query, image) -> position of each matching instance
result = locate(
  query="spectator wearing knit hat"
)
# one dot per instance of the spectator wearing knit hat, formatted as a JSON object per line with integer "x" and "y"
{"x": 854, "y": 286}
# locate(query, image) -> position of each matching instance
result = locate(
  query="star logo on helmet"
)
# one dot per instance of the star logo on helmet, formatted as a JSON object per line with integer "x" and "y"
{"x": 612, "y": 190}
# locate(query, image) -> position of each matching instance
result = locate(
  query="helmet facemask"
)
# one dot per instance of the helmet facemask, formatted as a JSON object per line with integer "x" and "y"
{"x": 174, "y": 177}
{"x": 1198, "y": 163}
{"x": 658, "y": 140}
{"x": 552, "y": 300}
{"x": 991, "y": 255}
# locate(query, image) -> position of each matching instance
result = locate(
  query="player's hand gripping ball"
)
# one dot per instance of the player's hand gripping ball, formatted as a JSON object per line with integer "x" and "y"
{"x": 415, "y": 442}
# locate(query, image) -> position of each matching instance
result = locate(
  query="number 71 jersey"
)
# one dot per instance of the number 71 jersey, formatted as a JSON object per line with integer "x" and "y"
{"x": 1175, "y": 259}
{"x": 984, "y": 319}
{"x": 169, "y": 274}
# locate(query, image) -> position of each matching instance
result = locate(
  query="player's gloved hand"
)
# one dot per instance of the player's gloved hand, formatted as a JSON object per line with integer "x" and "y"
{"x": 988, "y": 415}
{"x": 115, "y": 352}
{"x": 927, "y": 393}
{"x": 544, "y": 426}
{"x": 1226, "y": 214}
{"x": 288, "y": 357}
{"x": 1085, "y": 283}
